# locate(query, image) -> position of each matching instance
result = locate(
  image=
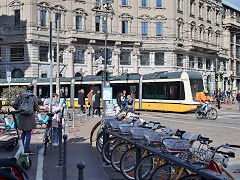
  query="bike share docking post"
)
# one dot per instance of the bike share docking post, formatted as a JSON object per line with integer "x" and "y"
{"x": 105, "y": 139}
{"x": 73, "y": 118}
{"x": 65, "y": 156}
{"x": 60, "y": 155}
{"x": 81, "y": 165}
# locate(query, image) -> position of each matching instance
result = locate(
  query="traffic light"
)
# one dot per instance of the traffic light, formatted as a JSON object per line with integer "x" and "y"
{"x": 109, "y": 76}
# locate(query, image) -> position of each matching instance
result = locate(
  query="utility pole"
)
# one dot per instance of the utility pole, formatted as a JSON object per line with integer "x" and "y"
{"x": 58, "y": 67}
{"x": 106, "y": 35}
{"x": 51, "y": 66}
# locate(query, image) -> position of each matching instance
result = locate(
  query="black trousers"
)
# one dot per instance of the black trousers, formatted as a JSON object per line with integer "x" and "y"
{"x": 97, "y": 109}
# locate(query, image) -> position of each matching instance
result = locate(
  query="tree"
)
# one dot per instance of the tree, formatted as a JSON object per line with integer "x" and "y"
{"x": 14, "y": 92}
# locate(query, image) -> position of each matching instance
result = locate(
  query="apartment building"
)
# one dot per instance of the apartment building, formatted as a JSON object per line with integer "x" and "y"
{"x": 143, "y": 36}
{"x": 231, "y": 39}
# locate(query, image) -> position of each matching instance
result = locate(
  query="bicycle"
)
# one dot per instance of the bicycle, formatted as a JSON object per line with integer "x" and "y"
{"x": 219, "y": 163}
{"x": 23, "y": 158}
{"x": 47, "y": 139}
{"x": 16, "y": 170}
{"x": 211, "y": 113}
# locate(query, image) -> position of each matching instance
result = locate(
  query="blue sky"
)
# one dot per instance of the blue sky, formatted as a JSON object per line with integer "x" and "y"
{"x": 235, "y": 2}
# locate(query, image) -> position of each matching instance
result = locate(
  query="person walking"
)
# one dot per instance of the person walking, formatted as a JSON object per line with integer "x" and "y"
{"x": 27, "y": 103}
{"x": 90, "y": 101}
{"x": 238, "y": 99}
{"x": 131, "y": 101}
{"x": 118, "y": 98}
{"x": 218, "y": 98}
{"x": 123, "y": 100}
{"x": 57, "y": 109}
{"x": 96, "y": 103}
{"x": 81, "y": 101}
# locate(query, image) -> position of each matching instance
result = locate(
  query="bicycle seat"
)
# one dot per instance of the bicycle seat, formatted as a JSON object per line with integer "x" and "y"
{"x": 179, "y": 133}
{"x": 229, "y": 153}
{"x": 205, "y": 139}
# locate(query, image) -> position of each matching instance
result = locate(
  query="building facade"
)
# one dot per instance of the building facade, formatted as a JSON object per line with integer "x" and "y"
{"x": 143, "y": 36}
{"x": 231, "y": 39}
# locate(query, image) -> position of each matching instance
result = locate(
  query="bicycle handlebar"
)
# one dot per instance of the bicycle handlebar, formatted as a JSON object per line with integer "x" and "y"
{"x": 234, "y": 146}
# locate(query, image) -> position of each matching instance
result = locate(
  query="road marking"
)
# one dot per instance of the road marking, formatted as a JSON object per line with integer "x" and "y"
{"x": 209, "y": 124}
{"x": 39, "y": 175}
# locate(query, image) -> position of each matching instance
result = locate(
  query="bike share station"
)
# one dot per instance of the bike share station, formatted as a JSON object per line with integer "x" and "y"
{"x": 115, "y": 129}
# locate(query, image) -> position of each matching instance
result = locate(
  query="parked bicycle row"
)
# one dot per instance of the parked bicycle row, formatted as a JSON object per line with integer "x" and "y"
{"x": 150, "y": 150}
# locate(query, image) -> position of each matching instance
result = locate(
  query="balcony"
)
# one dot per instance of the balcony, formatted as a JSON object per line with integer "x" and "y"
{"x": 201, "y": 46}
{"x": 231, "y": 21}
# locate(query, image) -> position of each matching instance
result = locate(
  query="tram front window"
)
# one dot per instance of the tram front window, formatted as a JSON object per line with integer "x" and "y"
{"x": 164, "y": 91}
{"x": 196, "y": 86}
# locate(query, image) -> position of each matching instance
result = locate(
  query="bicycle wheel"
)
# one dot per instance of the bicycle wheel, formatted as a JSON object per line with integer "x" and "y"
{"x": 117, "y": 153}
{"x": 146, "y": 166}
{"x": 128, "y": 163}
{"x": 47, "y": 139}
{"x": 26, "y": 162}
{"x": 99, "y": 142}
{"x": 168, "y": 171}
{"x": 192, "y": 177}
{"x": 93, "y": 135}
{"x": 198, "y": 114}
{"x": 108, "y": 148}
{"x": 212, "y": 114}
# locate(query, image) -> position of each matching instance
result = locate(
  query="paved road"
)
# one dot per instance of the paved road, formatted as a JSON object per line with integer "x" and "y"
{"x": 224, "y": 129}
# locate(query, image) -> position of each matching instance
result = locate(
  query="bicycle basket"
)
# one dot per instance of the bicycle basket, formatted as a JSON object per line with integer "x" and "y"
{"x": 155, "y": 138}
{"x": 115, "y": 126}
{"x": 125, "y": 129}
{"x": 138, "y": 132}
{"x": 176, "y": 145}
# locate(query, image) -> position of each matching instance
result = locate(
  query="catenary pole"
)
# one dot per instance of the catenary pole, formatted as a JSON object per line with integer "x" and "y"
{"x": 50, "y": 59}
{"x": 58, "y": 66}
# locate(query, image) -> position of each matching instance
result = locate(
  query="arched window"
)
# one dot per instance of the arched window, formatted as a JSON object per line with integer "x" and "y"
{"x": 17, "y": 73}
{"x": 100, "y": 73}
{"x": 78, "y": 74}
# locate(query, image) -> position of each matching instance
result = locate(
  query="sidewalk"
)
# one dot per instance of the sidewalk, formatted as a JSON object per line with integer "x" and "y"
{"x": 78, "y": 149}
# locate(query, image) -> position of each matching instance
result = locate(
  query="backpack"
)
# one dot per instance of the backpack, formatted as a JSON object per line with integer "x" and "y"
{"x": 27, "y": 104}
{"x": 130, "y": 101}
{"x": 93, "y": 97}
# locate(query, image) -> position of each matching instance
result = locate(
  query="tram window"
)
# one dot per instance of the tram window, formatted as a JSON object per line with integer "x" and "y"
{"x": 196, "y": 86}
{"x": 123, "y": 86}
{"x": 164, "y": 91}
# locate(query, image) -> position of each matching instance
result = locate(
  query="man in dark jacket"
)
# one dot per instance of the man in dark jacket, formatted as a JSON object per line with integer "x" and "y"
{"x": 27, "y": 122}
{"x": 96, "y": 103}
{"x": 238, "y": 99}
{"x": 81, "y": 101}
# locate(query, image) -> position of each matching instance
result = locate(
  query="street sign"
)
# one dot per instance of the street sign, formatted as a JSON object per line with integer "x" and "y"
{"x": 107, "y": 94}
{"x": 9, "y": 77}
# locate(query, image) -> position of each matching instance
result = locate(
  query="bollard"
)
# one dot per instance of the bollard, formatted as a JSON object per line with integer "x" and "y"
{"x": 73, "y": 116}
{"x": 81, "y": 165}
{"x": 60, "y": 158}
{"x": 65, "y": 157}
{"x": 79, "y": 115}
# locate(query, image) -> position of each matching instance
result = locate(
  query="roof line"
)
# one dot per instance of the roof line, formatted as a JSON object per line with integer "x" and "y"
{"x": 226, "y": 3}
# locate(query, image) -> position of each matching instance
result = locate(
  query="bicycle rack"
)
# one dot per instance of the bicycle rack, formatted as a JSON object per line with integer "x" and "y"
{"x": 206, "y": 173}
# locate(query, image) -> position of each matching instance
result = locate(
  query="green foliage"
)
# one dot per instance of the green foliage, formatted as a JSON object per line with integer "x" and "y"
{"x": 14, "y": 91}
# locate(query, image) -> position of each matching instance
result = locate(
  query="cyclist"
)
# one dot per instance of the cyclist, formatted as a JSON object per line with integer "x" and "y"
{"x": 203, "y": 100}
